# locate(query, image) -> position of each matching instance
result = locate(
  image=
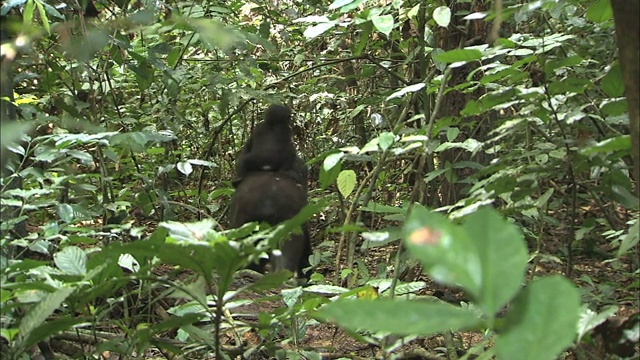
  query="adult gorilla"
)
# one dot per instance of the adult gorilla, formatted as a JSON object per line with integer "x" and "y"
{"x": 274, "y": 197}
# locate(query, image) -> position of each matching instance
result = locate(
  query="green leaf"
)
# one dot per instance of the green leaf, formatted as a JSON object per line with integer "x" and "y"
{"x": 129, "y": 262}
{"x": 202, "y": 162}
{"x": 65, "y": 212}
{"x": 589, "y": 319}
{"x": 38, "y": 314}
{"x": 452, "y": 133}
{"x": 471, "y": 145}
{"x": 554, "y": 64}
{"x": 487, "y": 256}
{"x": 175, "y": 322}
{"x": 199, "y": 258}
{"x": 488, "y": 102}
{"x": 43, "y": 17}
{"x": 71, "y": 260}
{"x": 364, "y": 35}
{"x": 503, "y": 257}
{"x": 442, "y": 66}
{"x": 630, "y": 240}
{"x": 374, "y": 207}
{"x": 270, "y": 281}
{"x": 569, "y": 85}
{"x": 444, "y": 249}
{"x": 383, "y": 23}
{"x": 85, "y": 48}
{"x": 442, "y": 16}
{"x": 265, "y": 29}
{"x": 612, "y": 83}
{"x": 84, "y": 157}
{"x": 456, "y": 55}
{"x": 618, "y": 143}
{"x": 318, "y": 29}
{"x": 144, "y": 74}
{"x": 339, "y": 3}
{"x": 372, "y": 145}
{"x": 346, "y": 5}
{"x": 615, "y": 108}
{"x": 137, "y": 141}
{"x": 56, "y": 326}
{"x": 194, "y": 232}
{"x": 406, "y": 90}
{"x": 386, "y": 140}
{"x": 11, "y": 132}
{"x": 398, "y": 316}
{"x": 52, "y": 11}
{"x": 27, "y": 13}
{"x": 346, "y": 182}
{"x": 600, "y": 11}
{"x": 174, "y": 56}
{"x": 541, "y": 322}
{"x": 185, "y": 167}
{"x": 332, "y": 160}
{"x": 329, "y": 175}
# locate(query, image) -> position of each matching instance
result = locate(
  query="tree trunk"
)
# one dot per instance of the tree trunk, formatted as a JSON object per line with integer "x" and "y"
{"x": 625, "y": 15}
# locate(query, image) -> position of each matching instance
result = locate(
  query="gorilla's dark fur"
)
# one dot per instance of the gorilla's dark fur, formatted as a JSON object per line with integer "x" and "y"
{"x": 271, "y": 186}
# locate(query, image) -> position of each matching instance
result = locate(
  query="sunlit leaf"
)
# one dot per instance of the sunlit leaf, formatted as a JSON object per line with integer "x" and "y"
{"x": 331, "y": 160}
{"x": 184, "y": 167}
{"x": 71, "y": 260}
{"x": 319, "y": 29}
{"x": 442, "y": 15}
{"x": 383, "y": 23}
{"x": 406, "y": 90}
{"x": 346, "y": 182}
{"x": 622, "y": 142}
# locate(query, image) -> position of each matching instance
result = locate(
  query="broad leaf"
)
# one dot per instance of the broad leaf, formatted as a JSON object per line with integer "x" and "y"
{"x": 71, "y": 260}
{"x": 442, "y": 16}
{"x": 541, "y": 322}
{"x": 399, "y": 317}
{"x": 346, "y": 182}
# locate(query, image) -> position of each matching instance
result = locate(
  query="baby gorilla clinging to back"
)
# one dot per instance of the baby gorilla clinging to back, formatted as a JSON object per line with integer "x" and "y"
{"x": 269, "y": 147}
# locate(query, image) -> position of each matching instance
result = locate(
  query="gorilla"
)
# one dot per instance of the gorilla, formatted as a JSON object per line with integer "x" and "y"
{"x": 271, "y": 186}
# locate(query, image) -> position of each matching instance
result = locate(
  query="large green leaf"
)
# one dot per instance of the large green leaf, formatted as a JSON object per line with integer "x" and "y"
{"x": 542, "y": 321}
{"x": 600, "y": 11}
{"x": 612, "y": 84}
{"x": 400, "y": 317}
{"x": 442, "y": 16}
{"x": 622, "y": 142}
{"x": 503, "y": 257}
{"x": 486, "y": 256}
{"x": 444, "y": 249}
{"x": 71, "y": 260}
{"x": 35, "y": 317}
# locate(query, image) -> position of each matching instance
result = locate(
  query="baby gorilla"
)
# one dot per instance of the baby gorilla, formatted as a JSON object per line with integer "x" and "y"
{"x": 269, "y": 147}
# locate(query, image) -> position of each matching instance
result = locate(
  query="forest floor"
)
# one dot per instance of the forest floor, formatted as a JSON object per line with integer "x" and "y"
{"x": 602, "y": 282}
